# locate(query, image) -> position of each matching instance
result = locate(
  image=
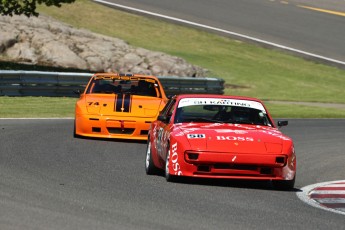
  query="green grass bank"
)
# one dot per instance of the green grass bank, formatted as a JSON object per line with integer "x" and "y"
{"x": 247, "y": 69}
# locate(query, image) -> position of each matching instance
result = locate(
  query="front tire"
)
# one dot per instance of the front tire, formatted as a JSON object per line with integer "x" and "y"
{"x": 168, "y": 176}
{"x": 284, "y": 184}
{"x": 150, "y": 168}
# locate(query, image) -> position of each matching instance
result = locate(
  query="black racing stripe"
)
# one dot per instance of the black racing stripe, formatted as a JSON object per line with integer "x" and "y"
{"x": 130, "y": 104}
{"x": 127, "y": 102}
{"x": 118, "y": 103}
{"x": 115, "y": 102}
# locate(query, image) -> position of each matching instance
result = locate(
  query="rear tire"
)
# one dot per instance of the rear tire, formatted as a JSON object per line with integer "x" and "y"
{"x": 284, "y": 184}
{"x": 150, "y": 168}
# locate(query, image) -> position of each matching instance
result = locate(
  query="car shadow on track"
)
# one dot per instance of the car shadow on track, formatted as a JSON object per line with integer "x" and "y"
{"x": 111, "y": 139}
{"x": 235, "y": 183}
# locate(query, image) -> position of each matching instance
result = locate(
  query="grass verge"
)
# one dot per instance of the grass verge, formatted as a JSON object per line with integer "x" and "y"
{"x": 32, "y": 107}
{"x": 51, "y": 107}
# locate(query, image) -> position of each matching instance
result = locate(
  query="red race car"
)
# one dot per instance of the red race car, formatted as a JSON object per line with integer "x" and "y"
{"x": 217, "y": 136}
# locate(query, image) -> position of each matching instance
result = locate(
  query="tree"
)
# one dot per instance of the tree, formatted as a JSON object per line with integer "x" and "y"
{"x": 26, "y": 7}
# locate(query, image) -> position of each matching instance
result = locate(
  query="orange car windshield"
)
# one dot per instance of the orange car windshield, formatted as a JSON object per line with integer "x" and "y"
{"x": 117, "y": 86}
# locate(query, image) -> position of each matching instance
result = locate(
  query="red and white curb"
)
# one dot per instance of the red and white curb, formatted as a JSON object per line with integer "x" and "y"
{"x": 329, "y": 196}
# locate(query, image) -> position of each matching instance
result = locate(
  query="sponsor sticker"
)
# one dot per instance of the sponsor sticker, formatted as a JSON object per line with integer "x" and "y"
{"x": 195, "y": 136}
{"x": 174, "y": 160}
{"x": 220, "y": 101}
{"x": 234, "y": 138}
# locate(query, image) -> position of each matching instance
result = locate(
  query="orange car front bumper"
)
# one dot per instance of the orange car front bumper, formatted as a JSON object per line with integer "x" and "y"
{"x": 135, "y": 128}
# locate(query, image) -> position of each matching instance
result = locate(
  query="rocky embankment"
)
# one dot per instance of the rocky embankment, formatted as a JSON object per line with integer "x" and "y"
{"x": 45, "y": 41}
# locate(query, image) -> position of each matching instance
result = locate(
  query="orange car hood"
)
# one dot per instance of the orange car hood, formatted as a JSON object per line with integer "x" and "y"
{"x": 233, "y": 138}
{"x": 123, "y": 105}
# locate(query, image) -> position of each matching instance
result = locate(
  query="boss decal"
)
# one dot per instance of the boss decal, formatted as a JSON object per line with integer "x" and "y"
{"x": 194, "y": 136}
{"x": 234, "y": 138}
{"x": 174, "y": 160}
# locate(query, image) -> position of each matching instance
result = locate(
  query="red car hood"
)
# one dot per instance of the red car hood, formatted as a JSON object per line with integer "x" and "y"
{"x": 233, "y": 138}
{"x": 123, "y": 105}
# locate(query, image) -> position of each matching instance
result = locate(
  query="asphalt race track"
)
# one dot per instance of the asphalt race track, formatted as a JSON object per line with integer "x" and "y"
{"x": 50, "y": 180}
{"x": 284, "y": 23}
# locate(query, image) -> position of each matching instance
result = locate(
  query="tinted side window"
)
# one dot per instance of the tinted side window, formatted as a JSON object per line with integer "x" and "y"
{"x": 168, "y": 109}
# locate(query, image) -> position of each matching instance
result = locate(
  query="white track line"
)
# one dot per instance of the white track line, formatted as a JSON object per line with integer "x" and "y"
{"x": 222, "y": 31}
{"x": 339, "y": 185}
{"x": 330, "y": 200}
{"x": 327, "y": 192}
{"x": 304, "y": 196}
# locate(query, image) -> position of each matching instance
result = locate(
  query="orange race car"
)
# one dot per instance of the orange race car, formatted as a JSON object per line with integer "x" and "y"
{"x": 118, "y": 106}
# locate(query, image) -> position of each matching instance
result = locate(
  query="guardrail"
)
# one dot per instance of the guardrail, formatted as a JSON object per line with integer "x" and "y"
{"x": 37, "y": 83}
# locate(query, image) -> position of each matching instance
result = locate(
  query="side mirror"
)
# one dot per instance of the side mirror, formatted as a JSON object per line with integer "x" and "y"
{"x": 162, "y": 118}
{"x": 282, "y": 123}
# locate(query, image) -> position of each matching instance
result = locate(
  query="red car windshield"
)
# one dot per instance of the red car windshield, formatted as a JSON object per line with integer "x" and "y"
{"x": 221, "y": 114}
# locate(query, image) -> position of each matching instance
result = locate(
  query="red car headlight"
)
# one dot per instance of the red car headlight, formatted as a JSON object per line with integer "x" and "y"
{"x": 191, "y": 155}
